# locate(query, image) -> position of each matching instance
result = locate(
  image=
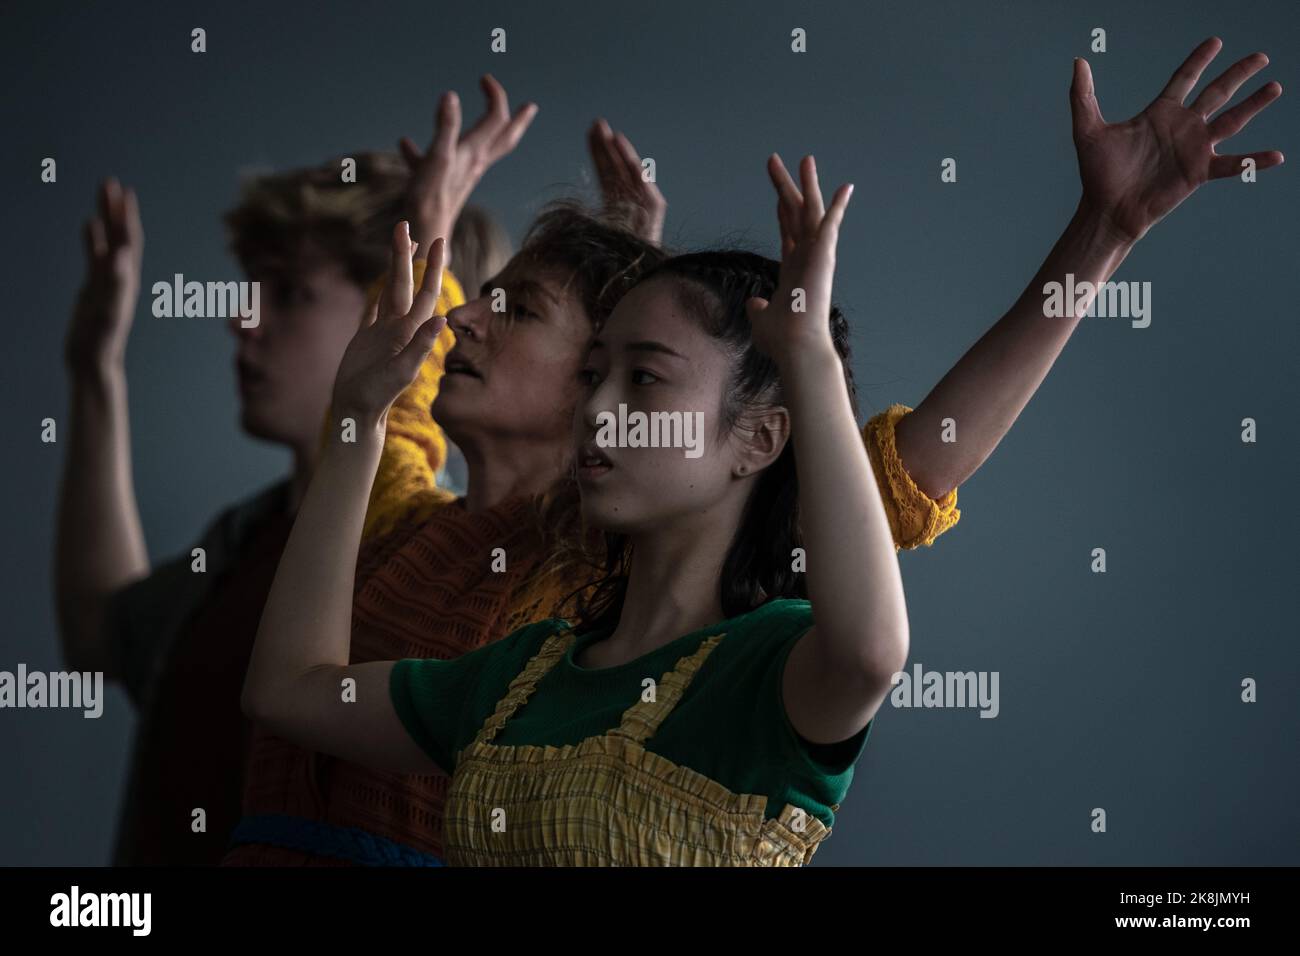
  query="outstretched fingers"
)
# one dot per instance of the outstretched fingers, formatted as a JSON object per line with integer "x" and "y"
{"x": 447, "y": 131}
{"x": 509, "y": 138}
{"x": 1223, "y": 166}
{"x": 427, "y": 299}
{"x": 426, "y": 326}
{"x": 1187, "y": 75}
{"x": 830, "y": 227}
{"x": 497, "y": 132}
{"x": 602, "y": 156}
{"x": 789, "y": 203}
{"x": 110, "y": 191}
{"x": 395, "y": 299}
{"x": 134, "y": 229}
{"x": 1228, "y": 83}
{"x": 1231, "y": 122}
{"x": 495, "y": 117}
{"x": 114, "y": 238}
{"x": 814, "y": 209}
{"x": 629, "y": 159}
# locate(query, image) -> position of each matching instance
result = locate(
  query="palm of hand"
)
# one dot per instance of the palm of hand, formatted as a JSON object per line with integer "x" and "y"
{"x": 1136, "y": 172}
{"x": 1140, "y": 170}
{"x": 367, "y": 379}
{"x": 114, "y": 241}
{"x": 396, "y": 334}
{"x": 796, "y": 316}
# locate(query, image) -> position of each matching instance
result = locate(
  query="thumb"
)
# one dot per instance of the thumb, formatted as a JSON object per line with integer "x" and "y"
{"x": 755, "y": 307}
{"x": 1084, "y": 110}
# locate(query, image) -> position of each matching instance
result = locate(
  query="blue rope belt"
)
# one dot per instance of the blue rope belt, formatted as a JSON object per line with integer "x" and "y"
{"x": 325, "y": 839}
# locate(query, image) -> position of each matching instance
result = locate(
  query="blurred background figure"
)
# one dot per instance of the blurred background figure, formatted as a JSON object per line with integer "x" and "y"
{"x": 177, "y": 635}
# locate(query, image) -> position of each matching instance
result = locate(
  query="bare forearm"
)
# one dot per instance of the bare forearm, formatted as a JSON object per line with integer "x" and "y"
{"x": 854, "y": 581}
{"x": 307, "y": 621}
{"x": 100, "y": 542}
{"x": 987, "y": 389}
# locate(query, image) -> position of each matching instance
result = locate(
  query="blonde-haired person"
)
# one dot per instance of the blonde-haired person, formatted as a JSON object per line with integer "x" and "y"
{"x": 177, "y": 641}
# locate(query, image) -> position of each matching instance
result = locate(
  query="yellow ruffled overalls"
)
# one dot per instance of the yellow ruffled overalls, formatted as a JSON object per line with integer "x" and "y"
{"x": 607, "y": 801}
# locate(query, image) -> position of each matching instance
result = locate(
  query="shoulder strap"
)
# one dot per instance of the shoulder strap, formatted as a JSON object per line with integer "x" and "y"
{"x": 521, "y": 688}
{"x": 642, "y": 719}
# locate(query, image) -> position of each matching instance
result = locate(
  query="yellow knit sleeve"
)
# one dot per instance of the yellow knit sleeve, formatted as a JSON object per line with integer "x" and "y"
{"x": 914, "y": 517}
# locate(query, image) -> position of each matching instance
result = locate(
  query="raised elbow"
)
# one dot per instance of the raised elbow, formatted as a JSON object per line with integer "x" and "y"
{"x": 887, "y": 657}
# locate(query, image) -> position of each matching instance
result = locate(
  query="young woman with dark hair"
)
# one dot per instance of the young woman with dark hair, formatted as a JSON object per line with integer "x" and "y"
{"x": 704, "y": 716}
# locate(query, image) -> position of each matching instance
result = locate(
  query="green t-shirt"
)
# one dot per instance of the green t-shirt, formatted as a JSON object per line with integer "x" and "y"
{"x": 730, "y": 724}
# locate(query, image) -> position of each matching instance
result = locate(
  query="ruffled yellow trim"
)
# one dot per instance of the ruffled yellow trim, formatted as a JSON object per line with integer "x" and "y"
{"x": 712, "y": 825}
{"x": 610, "y": 783}
{"x": 914, "y": 517}
{"x": 406, "y": 482}
{"x": 521, "y": 688}
{"x": 642, "y": 719}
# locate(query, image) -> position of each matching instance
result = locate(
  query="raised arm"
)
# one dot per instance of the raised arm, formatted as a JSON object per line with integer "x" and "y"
{"x": 296, "y": 681}
{"x": 839, "y": 672}
{"x": 1134, "y": 173}
{"x": 442, "y": 180}
{"x": 915, "y": 518}
{"x": 100, "y": 544}
{"x": 627, "y": 195}
{"x": 444, "y": 175}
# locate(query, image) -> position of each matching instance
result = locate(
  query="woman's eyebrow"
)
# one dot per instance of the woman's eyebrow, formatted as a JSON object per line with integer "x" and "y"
{"x": 650, "y": 346}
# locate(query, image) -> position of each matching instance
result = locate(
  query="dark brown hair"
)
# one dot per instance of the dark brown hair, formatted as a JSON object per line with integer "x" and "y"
{"x": 714, "y": 286}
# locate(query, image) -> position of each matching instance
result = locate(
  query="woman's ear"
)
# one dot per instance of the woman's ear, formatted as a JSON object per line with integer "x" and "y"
{"x": 761, "y": 440}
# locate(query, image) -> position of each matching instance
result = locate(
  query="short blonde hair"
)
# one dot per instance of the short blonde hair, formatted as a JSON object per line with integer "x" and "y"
{"x": 347, "y": 222}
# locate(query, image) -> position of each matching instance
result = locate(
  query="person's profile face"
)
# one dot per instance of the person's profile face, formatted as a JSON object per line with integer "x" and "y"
{"x": 512, "y": 373}
{"x": 310, "y": 308}
{"x": 655, "y": 360}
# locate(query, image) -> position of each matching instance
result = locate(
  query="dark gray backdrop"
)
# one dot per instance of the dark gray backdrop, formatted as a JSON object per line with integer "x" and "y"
{"x": 1118, "y": 690}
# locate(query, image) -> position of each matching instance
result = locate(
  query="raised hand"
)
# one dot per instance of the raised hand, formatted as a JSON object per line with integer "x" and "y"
{"x": 628, "y": 197}
{"x": 444, "y": 175}
{"x": 796, "y": 320}
{"x": 114, "y": 241}
{"x": 1135, "y": 172}
{"x": 395, "y": 337}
